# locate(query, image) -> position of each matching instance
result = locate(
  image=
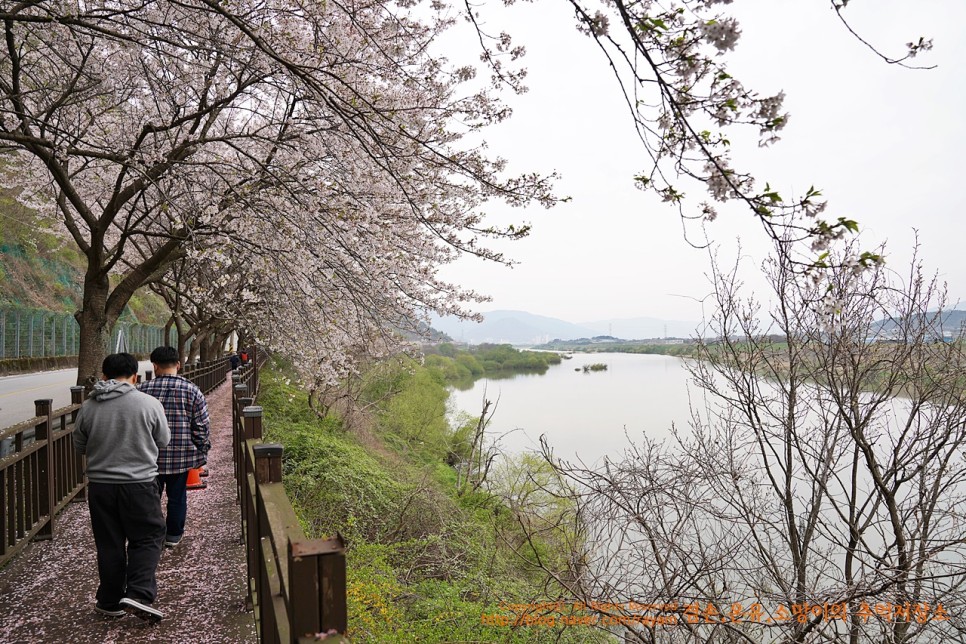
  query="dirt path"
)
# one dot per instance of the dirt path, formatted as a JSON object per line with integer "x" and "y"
{"x": 47, "y": 593}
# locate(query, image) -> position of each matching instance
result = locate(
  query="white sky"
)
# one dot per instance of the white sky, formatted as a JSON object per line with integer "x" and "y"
{"x": 882, "y": 142}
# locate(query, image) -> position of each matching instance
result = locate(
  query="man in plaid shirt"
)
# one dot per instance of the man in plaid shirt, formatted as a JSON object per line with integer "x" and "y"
{"x": 187, "y": 412}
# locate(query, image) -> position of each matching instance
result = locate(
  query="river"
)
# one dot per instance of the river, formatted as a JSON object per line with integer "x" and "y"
{"x": 586, "y": 415}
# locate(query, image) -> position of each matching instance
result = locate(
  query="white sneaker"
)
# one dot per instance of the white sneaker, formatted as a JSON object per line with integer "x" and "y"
{"x": 144, "y": 611}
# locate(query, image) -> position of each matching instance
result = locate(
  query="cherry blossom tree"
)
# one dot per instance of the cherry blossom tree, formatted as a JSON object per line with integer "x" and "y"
{"x": 169, "y": 127}
{"x": 328, "y": 138}
{"x": 670, "y": 61}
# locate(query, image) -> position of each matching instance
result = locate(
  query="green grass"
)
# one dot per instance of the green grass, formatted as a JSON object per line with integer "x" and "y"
{"x": 423, "y": 563}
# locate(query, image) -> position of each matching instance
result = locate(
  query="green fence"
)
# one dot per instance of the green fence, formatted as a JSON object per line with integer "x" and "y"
{"x": 35, "y": 333}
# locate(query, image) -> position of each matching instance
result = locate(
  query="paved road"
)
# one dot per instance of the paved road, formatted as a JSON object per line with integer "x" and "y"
{"x": 18, "y": 393}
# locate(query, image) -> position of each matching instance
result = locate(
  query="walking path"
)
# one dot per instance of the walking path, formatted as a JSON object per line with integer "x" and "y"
{"x": 47, "y": 593}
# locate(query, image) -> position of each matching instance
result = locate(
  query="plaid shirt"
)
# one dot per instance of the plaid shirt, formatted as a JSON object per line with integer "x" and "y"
{"x": 187, "y": 412}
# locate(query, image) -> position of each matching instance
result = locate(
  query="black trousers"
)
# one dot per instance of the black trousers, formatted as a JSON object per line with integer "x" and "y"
{"x": 128, "y": 531}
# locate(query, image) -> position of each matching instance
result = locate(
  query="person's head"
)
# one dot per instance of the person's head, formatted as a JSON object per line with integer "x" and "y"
{"x": 165, "y": 360}
{"x": 119, "y": 366}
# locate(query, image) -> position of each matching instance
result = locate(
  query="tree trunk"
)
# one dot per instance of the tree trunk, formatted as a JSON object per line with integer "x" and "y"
{"x": 95, "y": 329}
{"x": 183, "y": 337}
{"x": 205, "y": 351}
{"x": 167, "y": 331}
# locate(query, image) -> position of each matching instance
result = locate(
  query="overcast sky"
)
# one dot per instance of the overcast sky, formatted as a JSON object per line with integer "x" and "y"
{"x": 883, "y": 143}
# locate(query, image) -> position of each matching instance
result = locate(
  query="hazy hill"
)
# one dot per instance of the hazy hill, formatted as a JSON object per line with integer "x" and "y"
{"x": 521, "y": 327}
{"x": 952, "y": 322}
{"x": 513, "y": 327}
{"x": 642, "y": 328}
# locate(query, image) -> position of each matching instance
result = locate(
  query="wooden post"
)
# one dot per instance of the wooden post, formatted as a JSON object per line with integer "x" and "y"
{"x": 252, "y": 415}
{"x": 254, "y": 359}
{"x": 148, "y": 374}
{"x": 45, "y": 467}
{"x": 76, "y": 398}
{"x": 268, "y": 469}
{"x": 77, "y": 393}
{"x": 317, "y": 586}
{"x": 239, "y": 392}
{"x": 268, "y": 462}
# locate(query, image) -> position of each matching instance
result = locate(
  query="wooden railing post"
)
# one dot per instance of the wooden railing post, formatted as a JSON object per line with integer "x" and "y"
{"x": 76, "y": 398}
{"x": 77, "y": 395}
{"x": 252, "y": 416}
{"x": 239, "y": 392}
{"x": 251, "y": 532}
{"x": 317, "y": 586}
{"x": 45, "y": 468}
{"x": 254, "y": 359}
{"x": 268, "y": 469}
{"x": 268, "y": 462}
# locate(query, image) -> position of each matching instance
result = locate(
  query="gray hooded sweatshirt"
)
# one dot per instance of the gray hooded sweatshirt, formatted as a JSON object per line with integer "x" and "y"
{"x": 120, "y": 430}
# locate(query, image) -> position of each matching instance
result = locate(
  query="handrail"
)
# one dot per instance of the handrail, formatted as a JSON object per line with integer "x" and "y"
{"x": 297, "y": 585}
{"x": 40, "y": 473}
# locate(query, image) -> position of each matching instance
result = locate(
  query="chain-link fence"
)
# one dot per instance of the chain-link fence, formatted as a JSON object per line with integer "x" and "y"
{"x": 35, "y": 333}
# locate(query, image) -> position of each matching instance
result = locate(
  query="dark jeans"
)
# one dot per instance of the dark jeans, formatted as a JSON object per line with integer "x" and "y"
{"x": 177, "y": 485}
{"x": 128, "y": 531}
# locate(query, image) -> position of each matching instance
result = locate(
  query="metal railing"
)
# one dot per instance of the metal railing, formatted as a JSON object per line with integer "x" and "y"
{"x": 296, "y": 585}
{"x": 37, "y": 333}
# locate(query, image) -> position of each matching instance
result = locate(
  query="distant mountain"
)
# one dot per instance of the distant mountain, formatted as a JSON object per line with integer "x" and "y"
{"x": 642, "y": 328}
{"x": 510, "y": 327}
{"x": 952, "y": 323}
{"x": 521, "y": 327}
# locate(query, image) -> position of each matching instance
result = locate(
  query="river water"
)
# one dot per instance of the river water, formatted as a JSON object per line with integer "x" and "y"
{"x": 586, "y": 415}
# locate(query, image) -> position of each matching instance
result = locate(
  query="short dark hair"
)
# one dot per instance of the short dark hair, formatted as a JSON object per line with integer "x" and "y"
{"x": 119, "y": 365}
{"x": 165, "y": 356}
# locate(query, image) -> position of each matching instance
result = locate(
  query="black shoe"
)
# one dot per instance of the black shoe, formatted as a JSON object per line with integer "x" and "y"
{"x": 110, "y": 611}
{"x": 171, "y": 542}
{"x": 143, "y": 611}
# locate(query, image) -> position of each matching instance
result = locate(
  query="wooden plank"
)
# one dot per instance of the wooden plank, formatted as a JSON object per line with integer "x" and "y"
{"x": 284, "y": 525}
{"x": 304, "y": 600}
{"x": 19, "y": 455}
{"x": 20, "y": 544}
{"x": 21, "y": 427}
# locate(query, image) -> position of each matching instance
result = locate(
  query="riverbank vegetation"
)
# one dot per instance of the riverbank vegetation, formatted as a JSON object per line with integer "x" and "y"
{"x": 428, "y": 557}
{"x": 459, "y": 365}
{"x": 681, "y": 348}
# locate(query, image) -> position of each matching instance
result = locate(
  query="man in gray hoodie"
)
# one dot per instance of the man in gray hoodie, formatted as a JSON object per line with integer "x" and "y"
{"x": 121, "y": 431}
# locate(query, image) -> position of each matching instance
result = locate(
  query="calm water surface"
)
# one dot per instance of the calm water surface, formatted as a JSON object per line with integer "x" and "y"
{"x": 587, "y": 415}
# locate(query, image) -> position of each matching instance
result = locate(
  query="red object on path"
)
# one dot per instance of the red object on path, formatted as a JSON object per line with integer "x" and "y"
{"x": 194, "y": 480}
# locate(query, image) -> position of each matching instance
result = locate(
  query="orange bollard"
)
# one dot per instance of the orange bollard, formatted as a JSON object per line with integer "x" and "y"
{"x": 194, "y": 480}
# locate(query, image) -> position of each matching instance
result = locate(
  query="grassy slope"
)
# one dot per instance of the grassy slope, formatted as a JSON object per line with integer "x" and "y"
{"x": 41, "y": 270}
{"x": 423, "y": 563}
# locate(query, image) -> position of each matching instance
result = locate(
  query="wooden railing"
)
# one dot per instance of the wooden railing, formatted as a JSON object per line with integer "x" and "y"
{"x": 206, "y": 375}
{"x": 296, "y": 585}
{"x": 40, "y": 475}
{"x": 40, "y": 472}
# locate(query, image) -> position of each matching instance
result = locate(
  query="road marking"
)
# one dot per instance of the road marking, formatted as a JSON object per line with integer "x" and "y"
{"x": 22, "y": 391}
